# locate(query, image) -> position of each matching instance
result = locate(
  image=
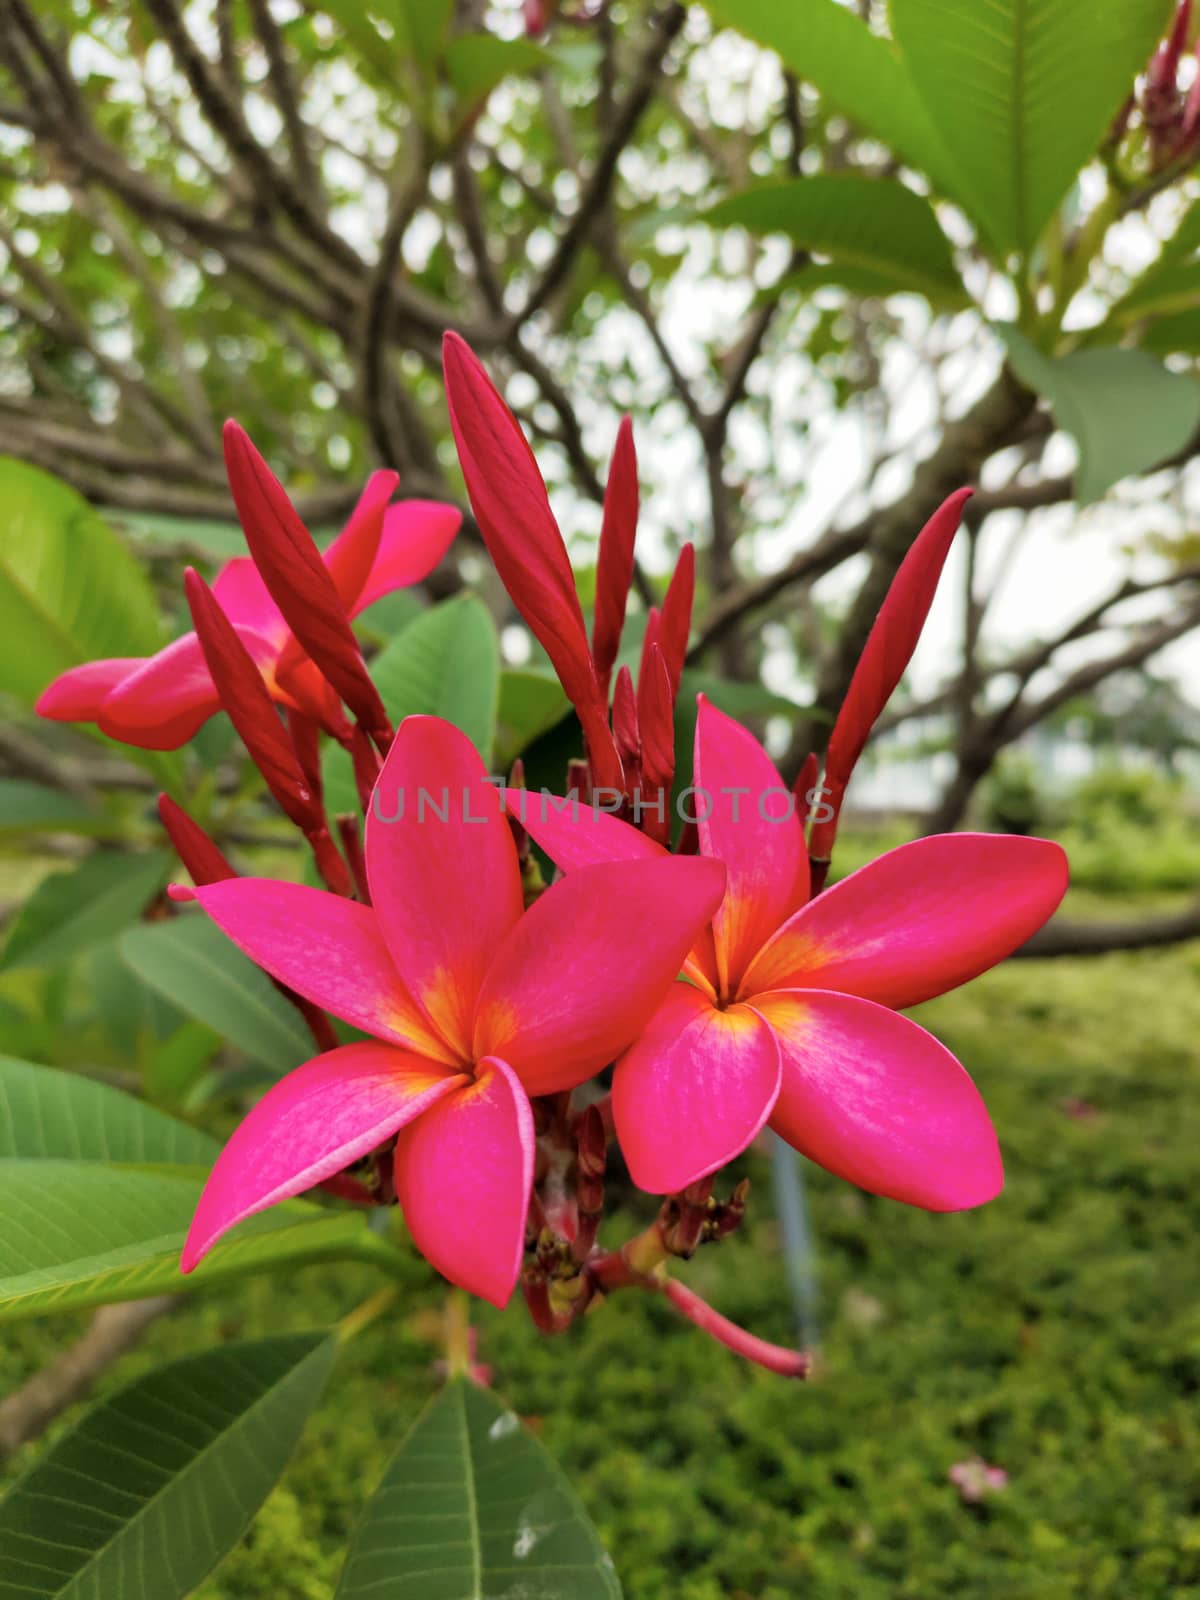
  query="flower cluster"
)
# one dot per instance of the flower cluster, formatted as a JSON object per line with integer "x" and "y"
{"x": 725, "y": 986}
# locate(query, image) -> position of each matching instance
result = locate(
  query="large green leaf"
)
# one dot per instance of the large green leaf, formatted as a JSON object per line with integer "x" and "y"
{"x": 70, "y": 912}
{"x": 1178, "y": 332}
{"x": 69, "y": 590}
{"x": 25, "y": 805}
{"x": 190, "y": 962}
{"x": 159, "y": 1482}
{"x": 1171, "y": 287}
{"x": 47, "y": 1114}
{"x": 859, "y": 73}
{"x": 1123, "y": 408}
{"x": 531, "y": 703}
{"x": 83, "y": 1233}
{"x": 874, "y": 223}
{"x": 472, "y": 1506}
{"x": 447, "y": 664}
{"x": 1022, "y": 92}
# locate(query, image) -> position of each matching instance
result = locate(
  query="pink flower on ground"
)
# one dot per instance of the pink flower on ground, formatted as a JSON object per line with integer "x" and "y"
{"x": 473, "y": 1005}
{"x": 790, "y": 1011}
{"x": 160, "y": 702}
{"x": 975, "y": 1479}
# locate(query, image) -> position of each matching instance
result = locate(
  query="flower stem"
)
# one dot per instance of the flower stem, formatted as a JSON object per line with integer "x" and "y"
{"x": 458, "y": 1334}
{"x": 362, "y": 1316}
{"x": 774, "y": 1357}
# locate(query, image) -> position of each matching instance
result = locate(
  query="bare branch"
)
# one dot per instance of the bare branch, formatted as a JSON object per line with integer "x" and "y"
{"x": 595, "y": 193}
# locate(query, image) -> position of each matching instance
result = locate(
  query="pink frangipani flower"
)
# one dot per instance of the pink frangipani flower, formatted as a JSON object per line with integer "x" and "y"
{"x": 159, "y": 702}
{"x": 473, "y": 1005}
{"x": 789, "y": 1011}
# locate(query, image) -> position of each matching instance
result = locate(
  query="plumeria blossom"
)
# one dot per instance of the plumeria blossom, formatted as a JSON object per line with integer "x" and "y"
{"x": 161, "y": 701}
{"x": 472, "y": 1003}
{"x": 789, "y": 1009}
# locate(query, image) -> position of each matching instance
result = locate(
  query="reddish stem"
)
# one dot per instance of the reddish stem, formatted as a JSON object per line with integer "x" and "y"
{"x": 329, "y": 863}
{"x": 774, "y": 1357}
{"x": 350, "y": 834}
{"x": 366, "y": 765}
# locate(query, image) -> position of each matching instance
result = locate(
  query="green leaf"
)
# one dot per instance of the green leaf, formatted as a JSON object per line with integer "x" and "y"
{"x": 83, "y": 1233}
{"x": 69, "y": 589}
{"x": 156, "y": 1484}
{"x": 25, "y": 806}
{"x": 1177, "y": 333}
{"x": 478, "y": 62}
{"x": 172, "y": 1070}
{"x": 70, "y": 912}
{"x": 48, "y": 1114}
{"x": 428, "y": 26}
{"x": 531, "y": 703}
{"x": 473, "y": 1505}
{"x": 873, "y": 223}
{"x": 1173, "y": 287}
{"x": 859, "y": 73}
{"x": 1022, "y": 92}
{"x": 192, "y": 964}
{"x": 1123, "y": 408}
{"x": 447, "y": 664}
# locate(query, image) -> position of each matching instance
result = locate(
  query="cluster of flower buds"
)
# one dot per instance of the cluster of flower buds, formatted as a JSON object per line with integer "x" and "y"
{"x": 630, "y": 746}
{"x": 1170, "y": 110}
{"x": 485, "y": 1001}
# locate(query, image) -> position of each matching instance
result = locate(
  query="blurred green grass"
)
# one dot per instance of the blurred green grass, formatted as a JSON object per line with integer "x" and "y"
{"x": 1056, "y": 1334}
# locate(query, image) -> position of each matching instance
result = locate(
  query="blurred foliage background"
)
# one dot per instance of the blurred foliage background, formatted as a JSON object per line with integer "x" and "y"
{"x": 835, "y": 260}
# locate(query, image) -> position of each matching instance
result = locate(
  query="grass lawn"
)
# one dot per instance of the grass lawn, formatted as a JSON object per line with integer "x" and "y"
{"x": 1056, "y": 1334}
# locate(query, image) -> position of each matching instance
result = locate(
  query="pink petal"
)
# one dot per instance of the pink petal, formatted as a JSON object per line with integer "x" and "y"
{"x": 587, "y": 965}
{"x": 875, "y": 1099}
{"x": 693, "y": 1090}
{"x": 919, "y": 920}
{"x": 319, "y": 1119}
{"x": 463, "y": 1176}
{"x": 576, "y": 834}
{"x": 754, "y": 828}
{"x": 168, "y": 699}
{"x": 77, "y": 694}
{"x": 416, "y": 535}
{"x": 352, "y": 554}
{"x": 887, "y": 652}
{"x": 245, "y": 600}
{"x": 328, "y": 949}
{"x": 443, "y": 870}
{"x": 579, "y": 835}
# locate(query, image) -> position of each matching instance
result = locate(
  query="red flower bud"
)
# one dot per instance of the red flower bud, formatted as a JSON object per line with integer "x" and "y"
{"x": 614, "y": 567}
{"x": 677, "y": 615}
{"x": 656, "y": 717}
{"x": 625, "y": 721}
{"x": 200, "y": 855}
{"x": 887, "y": 652}
{"x": 1164, "y": 68}
{"x": 651, "y": 638}
{"x": 513, "y": 511}
{"x": 299, "y": 581}
{"x": 245, "y": 698}
{"x": 806, "y": 785}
